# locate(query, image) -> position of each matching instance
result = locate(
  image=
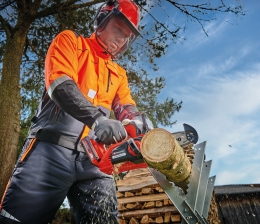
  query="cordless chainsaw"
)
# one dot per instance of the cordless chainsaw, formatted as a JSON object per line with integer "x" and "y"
{"x": 125, "y": 156}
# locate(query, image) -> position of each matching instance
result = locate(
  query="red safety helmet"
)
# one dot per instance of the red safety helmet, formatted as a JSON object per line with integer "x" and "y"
{"x": 124, "y": 10}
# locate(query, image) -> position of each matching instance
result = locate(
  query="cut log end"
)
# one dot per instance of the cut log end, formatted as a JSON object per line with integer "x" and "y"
{"x": 162, "y": 151}
{"x": 158, "y": 145}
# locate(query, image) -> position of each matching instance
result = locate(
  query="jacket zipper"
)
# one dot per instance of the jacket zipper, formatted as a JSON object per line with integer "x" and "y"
{"x": 108, "y": 80}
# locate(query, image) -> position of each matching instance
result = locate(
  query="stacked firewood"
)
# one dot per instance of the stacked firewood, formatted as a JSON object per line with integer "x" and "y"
{"x": 213, "y": 215}
{"x": 142, "y": 200}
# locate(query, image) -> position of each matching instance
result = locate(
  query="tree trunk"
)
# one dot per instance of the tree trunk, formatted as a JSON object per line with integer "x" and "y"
{"x": 10, "y": 102}
{"x": 162, "y": 152}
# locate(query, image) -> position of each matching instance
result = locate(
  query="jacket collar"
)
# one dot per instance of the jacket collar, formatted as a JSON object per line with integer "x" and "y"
{"x": 98, "y": 49}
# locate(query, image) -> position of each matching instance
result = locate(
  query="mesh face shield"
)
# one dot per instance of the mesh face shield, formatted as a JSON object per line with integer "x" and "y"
{"x": 120, "y": 28}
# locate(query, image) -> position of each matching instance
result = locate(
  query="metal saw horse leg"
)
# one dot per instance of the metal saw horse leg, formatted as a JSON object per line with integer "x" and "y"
{"x": 193, "y": 206}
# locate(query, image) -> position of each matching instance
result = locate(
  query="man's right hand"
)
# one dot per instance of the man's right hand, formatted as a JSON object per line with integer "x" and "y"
{"x": 109, "y": 131}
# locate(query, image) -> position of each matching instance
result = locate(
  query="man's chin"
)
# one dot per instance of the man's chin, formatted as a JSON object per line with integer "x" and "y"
{"x": 112, "y": 51}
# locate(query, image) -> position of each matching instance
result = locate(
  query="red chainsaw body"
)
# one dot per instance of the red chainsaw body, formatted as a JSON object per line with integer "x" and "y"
{"x": 116, "y": 158}
{"x": 125, "y": 156}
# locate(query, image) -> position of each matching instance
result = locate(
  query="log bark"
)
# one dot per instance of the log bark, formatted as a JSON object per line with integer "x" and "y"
{"x": 163, "y": 152}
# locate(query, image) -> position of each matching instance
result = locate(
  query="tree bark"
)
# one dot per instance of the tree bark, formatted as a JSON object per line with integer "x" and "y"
{"x": 10, "y": 102}
{"x": 10, "y": 98}
{"x": 162, "y": 152}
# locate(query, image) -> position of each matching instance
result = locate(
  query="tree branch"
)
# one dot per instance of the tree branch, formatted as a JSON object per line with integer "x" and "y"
{"x": 205, "y": 7}
{"x": 69, "y": 5}
{"x": 173, "y": 33}
{"x": 5, "y": 4}
{"x": 6, "y": 26}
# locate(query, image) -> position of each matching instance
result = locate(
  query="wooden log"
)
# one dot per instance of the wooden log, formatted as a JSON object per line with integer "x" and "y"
{"x": 122, "y": 221}
{"x": 133, "y": 221}
{"x": 135, "y": 183}
{"x": 149, "y": 204}
{"x": 121, "y": 208}
{"x": 137, "y": 172}
{"x": 167, "y": 217}
{"x": 138, "y": 193}
{"x": 130, "y": 206}
{"x": 151, "y": 220}
{"x": 159, "y": 219}
{"x": 145, "y": 220}
{"x": 129, "y": 194}
{"x": 119, "y": 195}
{"x": 175, "y": 218}
{"x": 166, "y": 202}
{"x": 159, "y": 189}
{"x": 162, "y": 152}
{"x": 136, "y": 205}
{"x": 146, "y": 190}
{"x": 158, "y": 204}
{"x": 144, "y": 198}
{"x": 152, "y": 212}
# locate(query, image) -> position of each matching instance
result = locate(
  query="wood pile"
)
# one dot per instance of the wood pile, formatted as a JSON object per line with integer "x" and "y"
{"x": 141, "y": 200}
{"x": 213, "y": 215}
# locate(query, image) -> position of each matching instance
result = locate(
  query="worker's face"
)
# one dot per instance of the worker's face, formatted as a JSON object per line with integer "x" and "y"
{"x": 115, "y": 35}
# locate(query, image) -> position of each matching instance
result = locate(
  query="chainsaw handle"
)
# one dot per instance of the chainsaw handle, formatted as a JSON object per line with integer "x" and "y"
{"x": 132, "y": 128}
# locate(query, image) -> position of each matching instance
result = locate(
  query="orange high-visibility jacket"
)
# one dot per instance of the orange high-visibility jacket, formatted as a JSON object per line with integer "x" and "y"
{"x": 103, "y": 82}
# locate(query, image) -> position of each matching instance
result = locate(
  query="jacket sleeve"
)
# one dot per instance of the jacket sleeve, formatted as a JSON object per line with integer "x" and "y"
{"x": 69, "y": 98}
{"x": 124, "y": 106}
{"x": 61, "y": 78}
{"x": 61, "y": 59}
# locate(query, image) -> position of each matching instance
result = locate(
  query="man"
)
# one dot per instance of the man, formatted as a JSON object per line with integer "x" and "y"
{"x": 83, "y": 84}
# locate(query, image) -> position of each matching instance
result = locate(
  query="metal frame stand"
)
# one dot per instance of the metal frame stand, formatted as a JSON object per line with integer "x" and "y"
{"x": 194, "y": 205}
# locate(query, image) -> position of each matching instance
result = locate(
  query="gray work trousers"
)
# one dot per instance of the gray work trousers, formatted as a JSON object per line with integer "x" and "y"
{"x": 45, "y": 174}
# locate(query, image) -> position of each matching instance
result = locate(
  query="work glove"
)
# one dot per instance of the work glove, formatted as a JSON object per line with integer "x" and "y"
{"x": 133, "y": 127}
{"x": 109, "y": 131}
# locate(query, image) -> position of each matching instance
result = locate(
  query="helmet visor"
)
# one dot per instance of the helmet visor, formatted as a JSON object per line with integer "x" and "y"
{"x": 116, "y": 33}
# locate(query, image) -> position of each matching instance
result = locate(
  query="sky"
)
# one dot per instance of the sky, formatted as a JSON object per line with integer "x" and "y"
{"x": 218, "y": 79}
